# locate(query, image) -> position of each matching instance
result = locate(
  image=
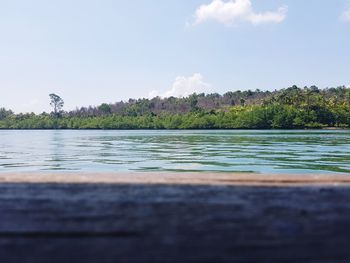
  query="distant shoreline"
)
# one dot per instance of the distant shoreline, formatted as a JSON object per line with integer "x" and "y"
{"x": 290, "y": 108}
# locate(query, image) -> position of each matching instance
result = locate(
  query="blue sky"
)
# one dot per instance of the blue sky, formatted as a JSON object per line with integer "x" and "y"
{"x": 90, "y": 51}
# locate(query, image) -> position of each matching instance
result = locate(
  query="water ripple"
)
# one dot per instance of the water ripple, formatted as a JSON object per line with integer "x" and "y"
{"x": 176, "y": 151}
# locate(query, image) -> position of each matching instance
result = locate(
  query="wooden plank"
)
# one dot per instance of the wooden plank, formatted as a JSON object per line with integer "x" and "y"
{"x": 121, "y": 222}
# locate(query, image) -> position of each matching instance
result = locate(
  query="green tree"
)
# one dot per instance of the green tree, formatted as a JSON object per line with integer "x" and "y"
{"x": 242, "y": 101}
{"x": 5, "y": 113}
{"x": 105, "y": 108}
{"x": 57, "y": 103}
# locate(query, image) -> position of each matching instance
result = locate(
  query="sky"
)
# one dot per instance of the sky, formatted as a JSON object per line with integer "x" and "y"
{"x": 95, "y": 51}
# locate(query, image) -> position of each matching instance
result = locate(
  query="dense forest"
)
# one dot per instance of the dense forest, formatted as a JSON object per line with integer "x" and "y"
{"x": 291, "y": 108}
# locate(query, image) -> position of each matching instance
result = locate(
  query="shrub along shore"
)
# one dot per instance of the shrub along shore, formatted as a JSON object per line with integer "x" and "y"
{"x": 291, "y": 108}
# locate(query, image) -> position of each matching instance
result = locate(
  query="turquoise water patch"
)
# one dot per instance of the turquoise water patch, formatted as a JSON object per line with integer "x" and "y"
{"x": 291, "y": 151}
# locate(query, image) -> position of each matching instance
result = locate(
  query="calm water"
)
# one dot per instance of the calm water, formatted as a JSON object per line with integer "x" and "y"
{"x": 228, "y": 151}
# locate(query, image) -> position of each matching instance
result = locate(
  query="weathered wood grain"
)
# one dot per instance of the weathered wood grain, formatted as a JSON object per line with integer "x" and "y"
{"x": 101, "y": 222}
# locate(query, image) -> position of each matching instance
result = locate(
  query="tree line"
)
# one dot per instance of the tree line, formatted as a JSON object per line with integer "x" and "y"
{"x": 290, "y": 108}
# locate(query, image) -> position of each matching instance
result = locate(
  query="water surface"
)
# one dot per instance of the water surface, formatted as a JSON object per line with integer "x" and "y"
{"x": 176, "y": 151}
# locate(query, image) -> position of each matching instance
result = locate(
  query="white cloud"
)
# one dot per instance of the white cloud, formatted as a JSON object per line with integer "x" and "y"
{"x": 232, "y": 12}
{"x": 183, "y": 87}
{"x": 346, "y": 16}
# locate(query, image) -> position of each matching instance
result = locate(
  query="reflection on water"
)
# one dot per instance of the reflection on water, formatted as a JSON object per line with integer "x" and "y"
{"x": 221, "y": 151}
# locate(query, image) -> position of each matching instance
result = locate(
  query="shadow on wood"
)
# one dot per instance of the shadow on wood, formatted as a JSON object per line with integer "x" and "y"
{"x": 173, "y": 223}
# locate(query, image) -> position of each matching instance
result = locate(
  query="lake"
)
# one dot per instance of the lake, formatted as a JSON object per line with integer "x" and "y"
{"x": 289, "y": 151}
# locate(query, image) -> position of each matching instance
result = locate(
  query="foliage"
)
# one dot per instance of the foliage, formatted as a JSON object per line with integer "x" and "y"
{"x": 57, "y": 103}
{"x": 291, "y": 108}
